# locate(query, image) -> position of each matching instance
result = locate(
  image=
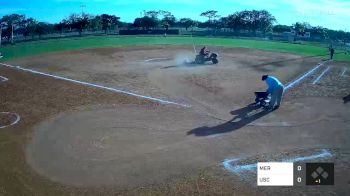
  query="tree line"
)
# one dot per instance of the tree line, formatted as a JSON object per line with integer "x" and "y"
{"x": 252, "y": 21}
{"x": 20, "y": 25}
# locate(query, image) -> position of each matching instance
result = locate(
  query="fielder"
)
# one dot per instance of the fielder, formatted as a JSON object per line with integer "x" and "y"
{"x": 331, "y": 51}
{"x": 275, "y": 89}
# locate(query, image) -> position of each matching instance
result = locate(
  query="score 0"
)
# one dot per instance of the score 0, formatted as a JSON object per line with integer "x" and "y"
{"x": 299, "y": 173}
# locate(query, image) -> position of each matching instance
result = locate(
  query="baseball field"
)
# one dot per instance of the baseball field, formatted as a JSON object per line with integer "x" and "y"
{"x": 127, "y": 116}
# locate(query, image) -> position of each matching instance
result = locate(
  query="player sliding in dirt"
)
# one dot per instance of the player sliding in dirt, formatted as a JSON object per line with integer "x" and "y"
{"x": 275, "y": 89}
{"x": 204, "y": 56}
{"x": 204, "y": 52}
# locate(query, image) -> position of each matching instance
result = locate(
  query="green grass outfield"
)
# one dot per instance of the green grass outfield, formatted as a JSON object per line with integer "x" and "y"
{"x": 25, "y": 49}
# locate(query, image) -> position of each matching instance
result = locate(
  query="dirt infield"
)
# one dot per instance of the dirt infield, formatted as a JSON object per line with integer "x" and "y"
{"x": 209, "y": 86}
{"x": 78, "y": 136}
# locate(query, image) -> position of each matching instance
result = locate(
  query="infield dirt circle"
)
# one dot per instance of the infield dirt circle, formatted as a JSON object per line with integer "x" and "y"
{"x": 134, "y": 145}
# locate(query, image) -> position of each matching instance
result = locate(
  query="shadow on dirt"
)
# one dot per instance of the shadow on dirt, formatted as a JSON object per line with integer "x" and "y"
{"x": 260, "y": 66}
{"x": 167, "y": 67}
{"x": 241, "y": 119}
{"x": 287, "y": 60}
{"x": 188, "y": 65}
{"x": 346, "y": 99}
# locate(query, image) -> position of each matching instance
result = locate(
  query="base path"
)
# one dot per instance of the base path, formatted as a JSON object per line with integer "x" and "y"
{"x": 93, "y": 85}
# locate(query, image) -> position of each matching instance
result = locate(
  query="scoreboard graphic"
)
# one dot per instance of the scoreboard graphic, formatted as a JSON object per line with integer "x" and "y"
{"x": 294, "y": 174}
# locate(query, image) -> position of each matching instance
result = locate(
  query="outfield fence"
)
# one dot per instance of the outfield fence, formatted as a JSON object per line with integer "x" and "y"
{"x": 197, "y": 32}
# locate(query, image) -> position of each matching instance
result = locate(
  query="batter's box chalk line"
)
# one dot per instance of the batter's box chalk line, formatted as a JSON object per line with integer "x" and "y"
{"x": 17, "y": 119}
{"x": 302, "y": 77}
{"x": 116, "y": 90}
{"x": 3, "y": 79}
{"x": 233, "y": 166}
{"x": 343, "y": 72}
{"x": 321, "y": 75}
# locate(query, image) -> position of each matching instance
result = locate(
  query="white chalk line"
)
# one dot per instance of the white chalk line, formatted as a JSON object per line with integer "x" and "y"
{"x": 290, "y": 85}
{"x": 162, "y": 101}
{"x": 194, "y": 46}
{"x": 320, "y": 76}
{"x": 298, "y": 80}
{"x": 229, "y": 164}
{"x": 3, "y": 79}
{"x": 343, "y": 73}
{"x": 18, "y": 118}
{"x": 157, "y": 59}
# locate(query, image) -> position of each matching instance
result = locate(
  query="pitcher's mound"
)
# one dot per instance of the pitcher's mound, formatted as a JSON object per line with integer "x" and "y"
{"x": 124, "y": 145}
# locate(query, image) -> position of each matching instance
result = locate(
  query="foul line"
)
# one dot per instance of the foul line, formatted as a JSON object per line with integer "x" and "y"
{"x": 98, "y": 86}
{"x": 320, "y": 76}
{"x": 3, "y": 79}
{"x": 155, "y": 59}
{"x": 342, "y": 74}
{"x": 295, "y": 82}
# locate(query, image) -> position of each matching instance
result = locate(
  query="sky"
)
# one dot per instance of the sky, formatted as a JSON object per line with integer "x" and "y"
{"x": 333, "y": 14}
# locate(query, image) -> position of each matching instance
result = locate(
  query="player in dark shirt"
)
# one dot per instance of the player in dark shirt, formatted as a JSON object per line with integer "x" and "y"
{"x": 204, "y": 51}
{"x": 331, "y": 51}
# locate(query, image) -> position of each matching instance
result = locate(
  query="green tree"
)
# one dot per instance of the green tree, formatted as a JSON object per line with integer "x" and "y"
{"x": 265, "y": 21}
{"x": 71, "y": 21}
{"x": 59, "y": 27}
{"x": 78, "y": 22}
{"x": 211, "y": 15}
{"x": 30, "y": 27}
{"x": 145, "y": 22}
{"x": 186, "y": 22}
{"x": 2, "y": 25}
{"x": 95, "y": 23}
{"x": 223, "y": 22}
{"x": 235, "y": 22}
{"x": 109, "y": 21}
{"x": 82, "y": 23}
{"x": 252, "y": 20}
{"x": 318, "y": 31}
{"x": 42, "y": 28}
{"x": 299, "y": 29}
{"x": 281, "y": 28}
{"x": 245, "y": 19}
{"x": 152, "y": 14}
{"x": 12, "y": 23}
{"x": 168, "y": 19}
